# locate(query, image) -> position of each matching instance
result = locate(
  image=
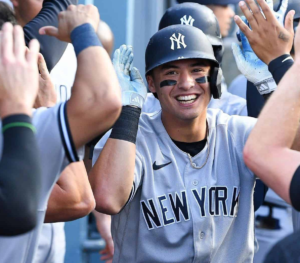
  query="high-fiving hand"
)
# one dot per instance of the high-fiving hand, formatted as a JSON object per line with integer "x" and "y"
{"x": 134, "y": 91}
{"x": 267, "y": 37}
{"x": 73, "y": 17}
{"x": 251, "y": 66}
{"x": 19, "y": 78}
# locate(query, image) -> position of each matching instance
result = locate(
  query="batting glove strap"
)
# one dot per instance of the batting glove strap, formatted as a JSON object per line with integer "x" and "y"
{"x": 131, "y": 98}
{"x": 266, "y": 86}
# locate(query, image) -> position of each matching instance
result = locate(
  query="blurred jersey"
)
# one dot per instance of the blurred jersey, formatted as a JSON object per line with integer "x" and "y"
{"x": 52, "y": 241}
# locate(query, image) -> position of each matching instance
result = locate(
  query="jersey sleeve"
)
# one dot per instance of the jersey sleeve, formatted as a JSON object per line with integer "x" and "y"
{"x": 54, "y": 137}
{"x": 239, "y": 129}
{"x": 51, "y": 48}
{"x": 138, "y": 171}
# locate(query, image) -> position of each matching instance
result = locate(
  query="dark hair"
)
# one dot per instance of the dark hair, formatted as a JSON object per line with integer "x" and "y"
{"x": 6, "y": 14}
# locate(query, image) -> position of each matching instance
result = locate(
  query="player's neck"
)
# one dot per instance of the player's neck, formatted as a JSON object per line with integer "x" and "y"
{"x": 185, "y": 131}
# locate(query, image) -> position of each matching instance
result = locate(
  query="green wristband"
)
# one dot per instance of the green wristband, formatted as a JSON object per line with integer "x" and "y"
{"x": 18, "y": 124}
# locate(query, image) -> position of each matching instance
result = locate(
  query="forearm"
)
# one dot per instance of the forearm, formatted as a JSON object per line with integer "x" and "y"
{"x": 103, "y": 223}
{"x": 19, "y": 148}
{"x": 112, "y": 176}
{"x": 98, "y": 93}
{"x": 51, "y": 48}
{"x": 71, "y": 197}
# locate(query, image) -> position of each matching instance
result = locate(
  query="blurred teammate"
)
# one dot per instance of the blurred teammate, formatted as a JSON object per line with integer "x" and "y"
{"x": 65, "y": 119}
{"x": 20, "y": 170}
{"x": 222, "y": 10}
{"x": 275, "y": 137}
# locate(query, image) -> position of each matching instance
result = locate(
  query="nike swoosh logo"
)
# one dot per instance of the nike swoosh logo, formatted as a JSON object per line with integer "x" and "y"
{"x": 157, "y": 167}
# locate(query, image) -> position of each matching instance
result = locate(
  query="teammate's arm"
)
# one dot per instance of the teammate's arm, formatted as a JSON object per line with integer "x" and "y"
{"x": 95, "y": 102}
{"x": 112, "y": 176}
{"x": 51, "y": 48}
{"x": 268, "y": 150}
{"x": 71, "y": 197}
{"x": 20, "y": 170}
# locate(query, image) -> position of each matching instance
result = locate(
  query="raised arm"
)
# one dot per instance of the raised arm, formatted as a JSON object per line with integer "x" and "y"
{"x": 112, "y": 177}
{"x": 51, "y": 48}
{"x": 268, "y": 150}
{"x": 95, "y": 102}
{"x": 71, "y": 197}
{"x": 20, "y": 170}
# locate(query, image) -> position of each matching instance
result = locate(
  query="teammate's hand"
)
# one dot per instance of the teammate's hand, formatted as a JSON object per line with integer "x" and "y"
{"x": 251, "y": 66}
{"x": 19, "y": 78}
{"x": 46, "y": 96}
{"x": 73, "y": 17}
{"x": 134, "y": 91}
{"x": 108, "y": 252}
{"x": 268, "y": 38}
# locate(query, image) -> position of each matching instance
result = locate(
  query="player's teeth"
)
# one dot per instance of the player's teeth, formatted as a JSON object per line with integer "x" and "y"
{"x": 187, "y": 98}
{"x": 186, "y": 102}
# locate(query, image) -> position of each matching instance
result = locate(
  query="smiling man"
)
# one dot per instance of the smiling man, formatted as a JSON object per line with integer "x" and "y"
{"x": 175, "y": 180}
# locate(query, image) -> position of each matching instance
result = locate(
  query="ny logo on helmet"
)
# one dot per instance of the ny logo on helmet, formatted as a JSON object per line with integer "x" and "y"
{"x": 179, "y": 40}
{"x": 188, "y": 22}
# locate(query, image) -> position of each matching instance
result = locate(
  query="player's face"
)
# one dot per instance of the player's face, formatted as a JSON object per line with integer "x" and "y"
{"x": 26, "y": 10}
{"x": 178, "y": 90}
{"x": 224, "y": 15}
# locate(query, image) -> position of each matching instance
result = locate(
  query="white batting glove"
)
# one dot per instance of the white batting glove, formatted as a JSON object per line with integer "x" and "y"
{"x": 134, "y": 91}
{"x": 252, "y": 67}
{"x": 281, "y": 11}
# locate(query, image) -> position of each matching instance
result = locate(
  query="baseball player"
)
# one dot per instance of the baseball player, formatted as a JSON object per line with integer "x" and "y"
{"x": 175, "y": 180}
{"x": 66, "y": 127}
{"x": 276, "y": 138}
{"x": 73, "y": 186}
{"x": 18, "y": 135}
{"x": 222, "y": 11}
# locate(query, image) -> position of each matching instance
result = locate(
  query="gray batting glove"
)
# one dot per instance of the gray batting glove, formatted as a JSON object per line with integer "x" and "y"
{"x": 134, "y": 91}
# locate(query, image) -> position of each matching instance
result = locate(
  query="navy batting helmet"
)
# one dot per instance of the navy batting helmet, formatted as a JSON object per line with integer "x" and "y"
{"x": 211, "y": 2}
{"x": 199, "y": 16}
{"x": 183, "y": 42}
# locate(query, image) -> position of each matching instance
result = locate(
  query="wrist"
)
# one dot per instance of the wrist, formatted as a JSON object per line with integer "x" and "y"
{"x": 84, "y": 36}
{"x": 274, "y": 57}
{"x": 126, "y": 127}
{"x": 8, "y": 108}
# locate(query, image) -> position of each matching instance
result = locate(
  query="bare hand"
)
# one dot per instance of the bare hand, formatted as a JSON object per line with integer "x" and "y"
{"x": 267, "y": 37}
{"x": 73, "y": 17}
{"x": 18, "y": 72}
{"x": 108, "y": 252}
{"x": 46, "y": 96}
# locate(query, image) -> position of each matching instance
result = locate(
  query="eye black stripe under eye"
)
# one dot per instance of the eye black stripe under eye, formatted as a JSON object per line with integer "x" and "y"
{"x": 203, "y": 79}
{"x": 168, "y": 82}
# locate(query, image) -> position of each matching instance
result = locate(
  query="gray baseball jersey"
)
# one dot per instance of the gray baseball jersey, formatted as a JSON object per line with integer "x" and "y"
{"x": 57, "y": 151}
{"x": 179, "y": 213}
{"x": 228, "y": 103}
{"x": 52, "y": 242}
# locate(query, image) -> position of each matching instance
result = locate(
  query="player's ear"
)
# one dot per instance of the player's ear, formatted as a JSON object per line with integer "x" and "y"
{"x": 150, "y": 81}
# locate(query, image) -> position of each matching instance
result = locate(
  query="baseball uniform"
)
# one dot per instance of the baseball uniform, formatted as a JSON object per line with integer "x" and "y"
{"x": 56, "y": 152}
{"x": 180, "y": 212}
